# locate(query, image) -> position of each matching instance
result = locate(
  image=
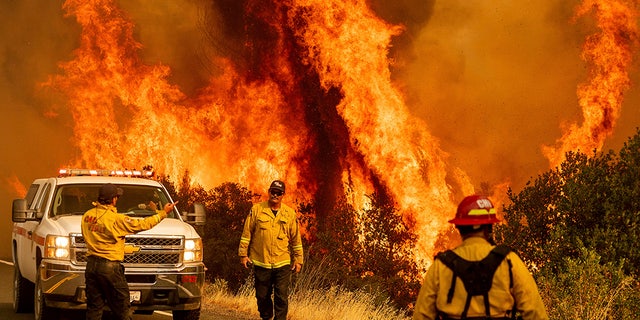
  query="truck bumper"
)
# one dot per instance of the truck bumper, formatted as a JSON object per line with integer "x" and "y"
{"x": 162, "y": 288}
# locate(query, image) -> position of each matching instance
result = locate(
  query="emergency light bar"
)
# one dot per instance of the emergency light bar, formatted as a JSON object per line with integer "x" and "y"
{"x": 112, "y": 173}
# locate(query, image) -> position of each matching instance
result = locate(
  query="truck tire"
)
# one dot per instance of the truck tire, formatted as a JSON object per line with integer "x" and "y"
{"x": 186, "y": 314}
{"x": 40, "y": 309}
{"x": 22, "y": 292}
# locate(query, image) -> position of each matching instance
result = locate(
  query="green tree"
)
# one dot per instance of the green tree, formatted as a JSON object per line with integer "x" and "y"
{"x": 586, "y": 288}
{"x": 583, "y": 215}
{"x": 546, "y": 219}
{"x": 590, "y": 200}
{"x": 370, "y": 249}
{"x": 185, "y": 193}
{"x": 622, "y": 219}
{"x": 226, "y": 208}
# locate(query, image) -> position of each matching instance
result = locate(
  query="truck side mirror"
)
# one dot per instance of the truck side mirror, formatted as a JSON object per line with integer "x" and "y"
{"x": 198, "y": 217}
{"x": 19, "y": 210}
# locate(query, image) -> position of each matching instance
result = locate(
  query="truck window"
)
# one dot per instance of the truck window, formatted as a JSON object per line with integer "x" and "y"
{"x": 74, "y": 199}
{"x": 31, "y": 194}
{"x": 135, "y": 200}
{"x": 40, "y": 202}
{"x": 78, "y": 198}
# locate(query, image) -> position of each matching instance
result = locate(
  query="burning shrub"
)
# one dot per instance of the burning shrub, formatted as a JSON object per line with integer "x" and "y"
{"x": 370, "y": 250}
{"x": 227, "y": 207}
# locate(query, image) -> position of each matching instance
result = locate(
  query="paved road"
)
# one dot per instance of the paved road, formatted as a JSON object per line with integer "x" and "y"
{"x": 6, "y": 300}
{"x": 6, "y": 294}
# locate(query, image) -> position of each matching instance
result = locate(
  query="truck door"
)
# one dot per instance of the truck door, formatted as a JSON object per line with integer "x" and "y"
{"x": 27, "y": 249}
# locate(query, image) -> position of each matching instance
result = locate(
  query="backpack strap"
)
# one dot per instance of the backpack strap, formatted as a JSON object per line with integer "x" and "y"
{"x": 513, "y": 311}
{"x": 448, "y": 258}
{"x": 493, "y": 261}
{"x": 467, "y": 303}
{"x": 504, "y": 250}
{"x": 457, "y": 264}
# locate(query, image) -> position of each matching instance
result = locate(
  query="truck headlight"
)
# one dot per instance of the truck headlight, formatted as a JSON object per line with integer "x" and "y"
{"x": 192, "y": 250}
{"x": 56, "y": 247}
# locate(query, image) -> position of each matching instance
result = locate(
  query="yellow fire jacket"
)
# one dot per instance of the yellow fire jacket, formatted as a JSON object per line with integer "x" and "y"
{"x": 104, "y": 229}
{"x": 433, "y": 294}
{"x": 268, "y": 239}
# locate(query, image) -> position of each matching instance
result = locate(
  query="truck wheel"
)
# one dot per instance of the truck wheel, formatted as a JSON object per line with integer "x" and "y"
{"x": 40, "y": 308}
{"x": 22, "y": 292}
{"x": 186, "y": 314}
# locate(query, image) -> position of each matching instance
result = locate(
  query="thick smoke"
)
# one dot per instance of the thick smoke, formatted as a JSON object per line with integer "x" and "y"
{"x": 35, "y": 131}
{"x": 497, "y": 80}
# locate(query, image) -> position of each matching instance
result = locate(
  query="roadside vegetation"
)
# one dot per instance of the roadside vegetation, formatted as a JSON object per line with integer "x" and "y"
{"x": 577, "y": 227}
{"x": 310, "y": 300}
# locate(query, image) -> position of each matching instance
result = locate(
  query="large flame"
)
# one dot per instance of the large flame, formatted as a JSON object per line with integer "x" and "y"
{"x": 347, "y": 46}
{"x": 609, "y": 54}
{"x": 127, "y": 114}
{"x": 313, "y": 105}
{"x": 308, "y": 99}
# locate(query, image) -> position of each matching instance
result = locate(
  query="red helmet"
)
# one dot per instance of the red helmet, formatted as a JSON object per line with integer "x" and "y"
{"x": 474, "y": 210}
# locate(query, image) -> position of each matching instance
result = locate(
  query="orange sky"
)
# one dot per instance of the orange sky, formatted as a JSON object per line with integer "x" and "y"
{"x": 492, "y": 81}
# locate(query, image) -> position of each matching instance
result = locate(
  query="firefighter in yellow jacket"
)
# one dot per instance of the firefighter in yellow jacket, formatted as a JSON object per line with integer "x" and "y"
{"x": 104, "y": 230}
{"x": 271, "y": 232}
{"x": 509, "y": 287}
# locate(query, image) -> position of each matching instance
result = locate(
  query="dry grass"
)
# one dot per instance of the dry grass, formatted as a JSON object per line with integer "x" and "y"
{"x": 336, "y": 304}
{"x": 217, "y": 295}
{"x": 312, "y": 298}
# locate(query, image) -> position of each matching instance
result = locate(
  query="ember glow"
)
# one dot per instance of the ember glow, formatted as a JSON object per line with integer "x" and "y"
{"x": 308, "y": 97}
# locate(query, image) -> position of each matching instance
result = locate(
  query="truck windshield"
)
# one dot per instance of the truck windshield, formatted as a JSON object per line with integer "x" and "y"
{"x": 136, "y": 200}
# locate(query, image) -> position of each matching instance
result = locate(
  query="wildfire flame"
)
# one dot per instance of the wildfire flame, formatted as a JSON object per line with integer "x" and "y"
{"x": 309, "y": 100}
{"x": 609, "y": 55}
{"x": 347, "y": 46}
{"x": 316, "y": 107}
{"x": 127, "y": 114}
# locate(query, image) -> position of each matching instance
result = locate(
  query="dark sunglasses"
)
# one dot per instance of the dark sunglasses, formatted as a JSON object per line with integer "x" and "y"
{"x": 276, "y": 193}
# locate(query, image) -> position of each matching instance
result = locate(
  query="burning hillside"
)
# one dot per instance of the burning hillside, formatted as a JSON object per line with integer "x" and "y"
{"x": 311, "y": 102}
{"x": 301, "y": 90}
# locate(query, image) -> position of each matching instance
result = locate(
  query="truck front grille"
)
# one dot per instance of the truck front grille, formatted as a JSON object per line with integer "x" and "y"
{"x": 163, "y": 251}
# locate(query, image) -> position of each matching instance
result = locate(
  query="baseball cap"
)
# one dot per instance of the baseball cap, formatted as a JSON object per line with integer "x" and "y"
{"x": 109, "y": 191}
{"x": 277, "y": 185}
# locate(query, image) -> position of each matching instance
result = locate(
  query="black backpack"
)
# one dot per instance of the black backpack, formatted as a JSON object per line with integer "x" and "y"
{"x": 477, "y": 276}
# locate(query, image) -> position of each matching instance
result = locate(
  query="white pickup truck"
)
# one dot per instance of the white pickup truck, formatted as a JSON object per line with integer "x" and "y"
{"x": 163, "y": 265}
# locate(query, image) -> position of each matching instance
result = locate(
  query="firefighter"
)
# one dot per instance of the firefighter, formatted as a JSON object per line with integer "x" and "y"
{"x": 271, "y": 231}
{"x": 104, "y": 230}
{"x": 478, "y": 280}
